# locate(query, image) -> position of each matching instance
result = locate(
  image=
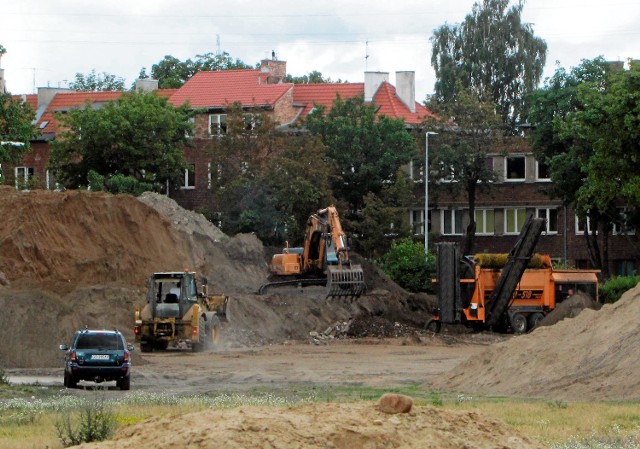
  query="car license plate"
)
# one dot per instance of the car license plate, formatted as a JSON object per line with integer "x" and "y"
{"x": 100, "y": 357}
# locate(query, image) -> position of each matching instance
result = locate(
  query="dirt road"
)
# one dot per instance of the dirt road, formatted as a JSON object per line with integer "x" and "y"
{"x": 363, "y": 362}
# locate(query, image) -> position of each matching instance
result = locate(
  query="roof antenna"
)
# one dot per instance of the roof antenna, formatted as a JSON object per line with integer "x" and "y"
{"x": 366, "y": 56}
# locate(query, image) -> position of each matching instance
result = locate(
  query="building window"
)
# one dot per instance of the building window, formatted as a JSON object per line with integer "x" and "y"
{"x": 51, "y": 181}
{"x": 485, "y": 224}
{"x": 621, "y": 224}
{"x": 416, "y": 220}
{"x": 543, "y": 172}
{"x": 189, "y": 177}
{"x": 550, "y": 214}
{"x": 580, "y": 225}
{"x": 217, "y": 124}
{"x": 514, "y": 220}
{"x": 23, "y": 177}
{"x": 515, "y": 167}
{"x": 451, "y": 221}
{"x": 447, "y": 173}
{"x": 416, "y": 170}
{"x": 626, "y": 268}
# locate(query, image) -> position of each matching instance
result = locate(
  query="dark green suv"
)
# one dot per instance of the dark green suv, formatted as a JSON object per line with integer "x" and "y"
{"x": 98, "y": 356}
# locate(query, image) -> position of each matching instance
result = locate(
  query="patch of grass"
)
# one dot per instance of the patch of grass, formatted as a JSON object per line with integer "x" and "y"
{"x": 94, "y": 422}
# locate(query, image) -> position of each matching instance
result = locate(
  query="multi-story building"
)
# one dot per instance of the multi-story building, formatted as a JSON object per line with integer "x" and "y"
{"x": 519, "y": 190}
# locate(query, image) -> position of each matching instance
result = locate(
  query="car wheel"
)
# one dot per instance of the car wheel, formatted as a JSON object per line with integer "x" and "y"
{"x": 124, "y": 383}
{"x": 70, "y": 381}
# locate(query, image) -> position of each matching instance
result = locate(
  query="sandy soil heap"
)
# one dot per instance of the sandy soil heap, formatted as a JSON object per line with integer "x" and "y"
{"x": 594, "y": 356}
{"x": 340, "y": 426}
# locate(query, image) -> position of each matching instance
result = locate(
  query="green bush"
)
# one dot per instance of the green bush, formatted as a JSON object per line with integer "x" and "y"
{"x": 407, "y": 265}
{"x": 4, "y": 380}
{"x": 94, "y": 422}
{"x": 612, "y": 290}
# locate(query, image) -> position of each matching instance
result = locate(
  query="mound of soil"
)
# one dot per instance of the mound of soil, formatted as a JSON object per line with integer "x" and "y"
{"x": 75, "y": 259}
{"x": 593, "y": 356}
{"x": 570, "y": 308}
{"x": 325, "y": 425}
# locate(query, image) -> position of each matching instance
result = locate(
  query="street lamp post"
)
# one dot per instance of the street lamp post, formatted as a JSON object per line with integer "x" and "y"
{"x": 426, "y": 191}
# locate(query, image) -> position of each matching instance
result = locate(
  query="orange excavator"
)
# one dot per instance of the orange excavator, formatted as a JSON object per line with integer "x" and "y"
{"x": 323, "y": 260}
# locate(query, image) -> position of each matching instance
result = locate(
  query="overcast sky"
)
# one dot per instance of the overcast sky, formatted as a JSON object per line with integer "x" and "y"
{"x": 48, "y": 42}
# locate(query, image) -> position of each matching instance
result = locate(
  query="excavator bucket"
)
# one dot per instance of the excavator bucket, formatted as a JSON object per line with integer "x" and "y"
{"x": 345, "y": 281}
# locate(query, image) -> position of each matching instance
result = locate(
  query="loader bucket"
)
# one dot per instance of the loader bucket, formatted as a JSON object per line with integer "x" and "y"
{"x": 345, "y": 281}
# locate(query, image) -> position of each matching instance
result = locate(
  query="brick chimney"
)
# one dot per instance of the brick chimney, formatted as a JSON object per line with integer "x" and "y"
{"x": 372, "y": 81}
{"x": 406, "y": 89}
{"x": 277, "y": 70}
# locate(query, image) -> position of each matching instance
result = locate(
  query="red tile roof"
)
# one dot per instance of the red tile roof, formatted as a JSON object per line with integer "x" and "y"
{"x": 65, "y": 101}
{"x": 220, "y": 88}
{"x": 31, "y": 99}
{"x": 386, "y": 98}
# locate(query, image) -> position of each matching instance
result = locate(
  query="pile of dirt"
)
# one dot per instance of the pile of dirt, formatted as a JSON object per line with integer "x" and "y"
{"x": 593, "y": 356}
{"x": 570, "y": 308}
{"x": 319, "y": 426}
{"x": 74, "y": 259}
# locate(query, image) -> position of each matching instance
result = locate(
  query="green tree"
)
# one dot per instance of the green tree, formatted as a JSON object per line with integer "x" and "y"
{"x": 16, "y": 130}
{"x": 140, "y": 135}
{"x": 95, "y": 82}
{"x": 584, "y": 126}
{"x": 459, "y": 164}
{"x": 493, "y": 53}
{"x": 267, "y": 182}
{"x": 366, "y": 150}
{"x": 172, "y": 73}
{"x": 408, "y": 266}
{"x": 384, "y": 219}
{"x": 313, "y": 77}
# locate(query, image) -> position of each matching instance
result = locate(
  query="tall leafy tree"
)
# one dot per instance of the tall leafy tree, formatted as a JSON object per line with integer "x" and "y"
{"x": 140, "y": 135}
{"x": 585, "y": 127}
{"x": 16, "y": 130}
{"x": 313, "y": 77}
{"x": 492, "y": 53}
{"x": 172, "y": 73}
{"x": 471, "y": 131}
{"x": 94, "y": 82}
{"x": 267, "y": 182}
{"x": 366, "y": 150}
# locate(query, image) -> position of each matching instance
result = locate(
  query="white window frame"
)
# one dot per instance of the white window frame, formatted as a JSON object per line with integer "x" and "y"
{"x": 548, "y": 212}
{"x": 450, "y": 175}
{"x": 187, "y": 185}
{"x": 216, "y": 122}
{"x": 538, "y": 178}
{"x": 482, "y": 219}
{"x": 22, "y": 176}
{"x": 518, "y": 225}
{"x": 617, "y": 229}
{"x": 507, "y": 178}
{"x": 453, "y": 215}
{"x": 580, "y": 229}
{"x": 416, "y": 221}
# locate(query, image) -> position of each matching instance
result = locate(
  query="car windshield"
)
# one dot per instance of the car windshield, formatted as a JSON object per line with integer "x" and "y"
{"x": 99, "y": 341}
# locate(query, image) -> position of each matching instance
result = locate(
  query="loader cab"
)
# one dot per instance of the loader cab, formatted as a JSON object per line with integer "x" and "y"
{"x": 171, "y": 294}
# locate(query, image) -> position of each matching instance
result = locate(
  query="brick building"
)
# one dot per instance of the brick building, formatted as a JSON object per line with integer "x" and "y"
{"x": 518, "y": 191}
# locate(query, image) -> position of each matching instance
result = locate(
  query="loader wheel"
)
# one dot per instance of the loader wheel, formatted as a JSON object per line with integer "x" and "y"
{"x": 202, "y": 336}
{"x": 146, "y": 347}
{"x": 534, "y": 320}
{"x": 213, "y": 332}
{"x": 519, "y": 323}
{"x": 434, "y": 326}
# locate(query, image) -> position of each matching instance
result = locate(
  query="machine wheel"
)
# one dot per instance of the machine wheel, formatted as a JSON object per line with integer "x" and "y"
{"x": 161, "y": 345}
{"x": 534, "y": 320}
{"x": 124, "y": 383}
{"x": 202, "y": 336}
{"x": 519, "y": 323}
{"x": 434, "y": 326}
{"x": 213, "y": 332}
{"x": 70, "y": 381}
{"x": 146, "y": 347}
